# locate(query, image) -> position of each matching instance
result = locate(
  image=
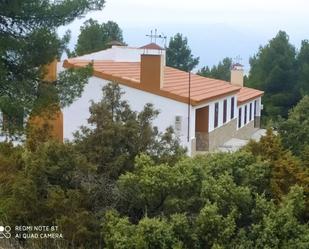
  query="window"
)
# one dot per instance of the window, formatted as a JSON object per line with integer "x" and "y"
{"x": 245, "y": 114}
{"x": 224, "y": 110}
{"x": 216, "y": 114}
{"x": 250, "y": 112}
{"x": 239, "y": 117}
{"x": 232, "y": 107}
{"x": 255, "y": 106}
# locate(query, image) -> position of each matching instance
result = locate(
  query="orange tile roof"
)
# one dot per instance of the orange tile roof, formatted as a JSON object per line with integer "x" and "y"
{"x": 246, "y": 94}
{"x": 175, "y": 84}
{"x": 152, "y": 46}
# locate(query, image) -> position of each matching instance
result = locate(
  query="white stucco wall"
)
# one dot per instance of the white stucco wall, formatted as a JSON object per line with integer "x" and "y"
{"x": 77, "y": 114}
{"x": 120, "y": 54}
{"x": 211, "y": 105}
{"x": 258, "y": 111}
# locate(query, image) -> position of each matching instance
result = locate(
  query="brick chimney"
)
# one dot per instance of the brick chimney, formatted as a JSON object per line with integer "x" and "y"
{"x": 46, "y": 118}
{"x": 152, "y": 71}
{"x": 237, "y": 75}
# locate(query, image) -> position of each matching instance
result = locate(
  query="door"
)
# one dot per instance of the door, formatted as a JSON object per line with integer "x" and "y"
{"x": 202, "y": 128}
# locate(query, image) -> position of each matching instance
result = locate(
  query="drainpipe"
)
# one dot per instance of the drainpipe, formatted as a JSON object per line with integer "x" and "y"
{"x": 189, "y": 106}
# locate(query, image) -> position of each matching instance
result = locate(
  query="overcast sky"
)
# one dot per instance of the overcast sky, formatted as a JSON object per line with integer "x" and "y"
{"x": 214, "y": 28}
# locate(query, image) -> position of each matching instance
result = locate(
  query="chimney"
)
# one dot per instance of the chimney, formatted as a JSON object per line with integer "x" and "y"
{"x": 152, "y": 71}
{"x": 237, "y": 75}
{"x": 46, "y": 118}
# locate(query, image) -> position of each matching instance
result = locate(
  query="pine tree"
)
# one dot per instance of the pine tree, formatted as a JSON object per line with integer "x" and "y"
{"x": 94, "y": 36}
{"x": 178, "y": 54}
{"x": 273, "y": 70}
{"x": 221, "y": 72}
{"x": 28, "y": 42}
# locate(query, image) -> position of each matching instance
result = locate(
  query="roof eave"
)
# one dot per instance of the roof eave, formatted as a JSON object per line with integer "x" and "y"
{"x": 136, "y": 84}
{"x": 204, "y": 101}
{"x": 249, "y": 99}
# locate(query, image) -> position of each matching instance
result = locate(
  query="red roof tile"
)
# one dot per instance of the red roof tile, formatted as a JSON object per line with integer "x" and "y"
{"x": 152, "y": 46}
{"x": 175, "y": 84}
{"x": 246, "y": 94}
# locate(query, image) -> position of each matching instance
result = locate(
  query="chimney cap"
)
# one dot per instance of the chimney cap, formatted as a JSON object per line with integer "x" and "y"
{"x": 237, "y": 66}
{"x": 115, "y": 43}
{"x": 153, "y": 46}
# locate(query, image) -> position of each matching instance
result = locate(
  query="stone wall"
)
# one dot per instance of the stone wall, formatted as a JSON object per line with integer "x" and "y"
{"x": 222, "y": 134}
{"x": 257, "y": 122}
{"x": 202, "y": 141}
{"x": 246, "y": 131}
{"x": 211, "y": 141}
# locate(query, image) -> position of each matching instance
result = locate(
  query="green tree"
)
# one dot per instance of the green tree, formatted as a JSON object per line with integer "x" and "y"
{"x": 303, "y": 68}
{"x": 149, "y": 233}
{"x": 178, "y": 54}
{"x": 295, "y": 129}
{"x": 213, "y": 201}
{"x": 120, "y": 134}
{"x": 49, "y": 186}
{"x": 94, "y": 36}
{"x": 153, "y": 189}
{"x": 221, "y": 72}
{"x": 112, "y": 31}
{"x": 29, "y": 41}
{"x": 280, "y": 226}
{"x": 214, "y": 230}
{"x": 286, "y": 169}
{"x": 273, "y": 70}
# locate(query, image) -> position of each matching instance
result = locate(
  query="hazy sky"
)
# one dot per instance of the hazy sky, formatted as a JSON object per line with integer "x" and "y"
{"x": 215, "y": 29}
{"x": 258, "y": 13}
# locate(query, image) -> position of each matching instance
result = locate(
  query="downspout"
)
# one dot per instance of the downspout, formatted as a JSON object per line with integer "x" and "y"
{"x": 189, "y": 106}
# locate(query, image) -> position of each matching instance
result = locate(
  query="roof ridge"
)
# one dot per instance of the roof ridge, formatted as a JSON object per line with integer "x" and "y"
{"x": 202, "y": 88}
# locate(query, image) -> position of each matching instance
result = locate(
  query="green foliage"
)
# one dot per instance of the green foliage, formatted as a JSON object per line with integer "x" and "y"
{"x": 303, "y": 68}
{"x": 213, "y": 201}
{"x": 151, "y": 190}
{"x": 219, "y": 200}
{"x": 295, "y": 130}
{"x": 49, "y": 186}
{"x": 70, "y": 84}
{"x": 286, "y": 169}
{"x": 28, "y": 42}
{"x": 280, "y": 227}
{"x": 221, "y": 72}
{"x": 152, "y": 233}
{"x": 178, "y": 54}
{"x": 273, "y": 70}
{"x": 94, "y": 36}
{"x": 120, "y": 134}
{"x": 268, "y": 148}
{"x": 122, "y": 185}
{"x": 214, "y": 229}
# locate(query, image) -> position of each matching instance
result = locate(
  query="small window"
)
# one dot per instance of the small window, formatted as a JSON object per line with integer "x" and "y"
{"x": 224, "y": 110}
{"x": 255, "y": 106}
{"x": 216, "y": 114}
{"x": 245, "y": 114}
{"x": 250, "y": 112}
{"x": 232, "y": 107}
{"x": 239, "y": 117}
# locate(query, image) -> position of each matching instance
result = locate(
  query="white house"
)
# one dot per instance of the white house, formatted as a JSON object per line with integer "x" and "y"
{"x": 204, "y": 112}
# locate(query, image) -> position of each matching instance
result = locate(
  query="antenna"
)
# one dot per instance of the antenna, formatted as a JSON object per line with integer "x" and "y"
{"x": 238, "y": 59}
{"x": 154, "y": 36}
{"x": 151, "y": 36}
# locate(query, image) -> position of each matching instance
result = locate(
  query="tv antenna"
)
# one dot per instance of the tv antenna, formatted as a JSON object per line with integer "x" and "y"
{"x": 238, "y": 59}
{"x": 154, "y": 36}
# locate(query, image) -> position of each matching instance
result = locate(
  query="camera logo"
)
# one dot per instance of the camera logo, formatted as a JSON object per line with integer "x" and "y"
{"x": 5, "y": 232}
